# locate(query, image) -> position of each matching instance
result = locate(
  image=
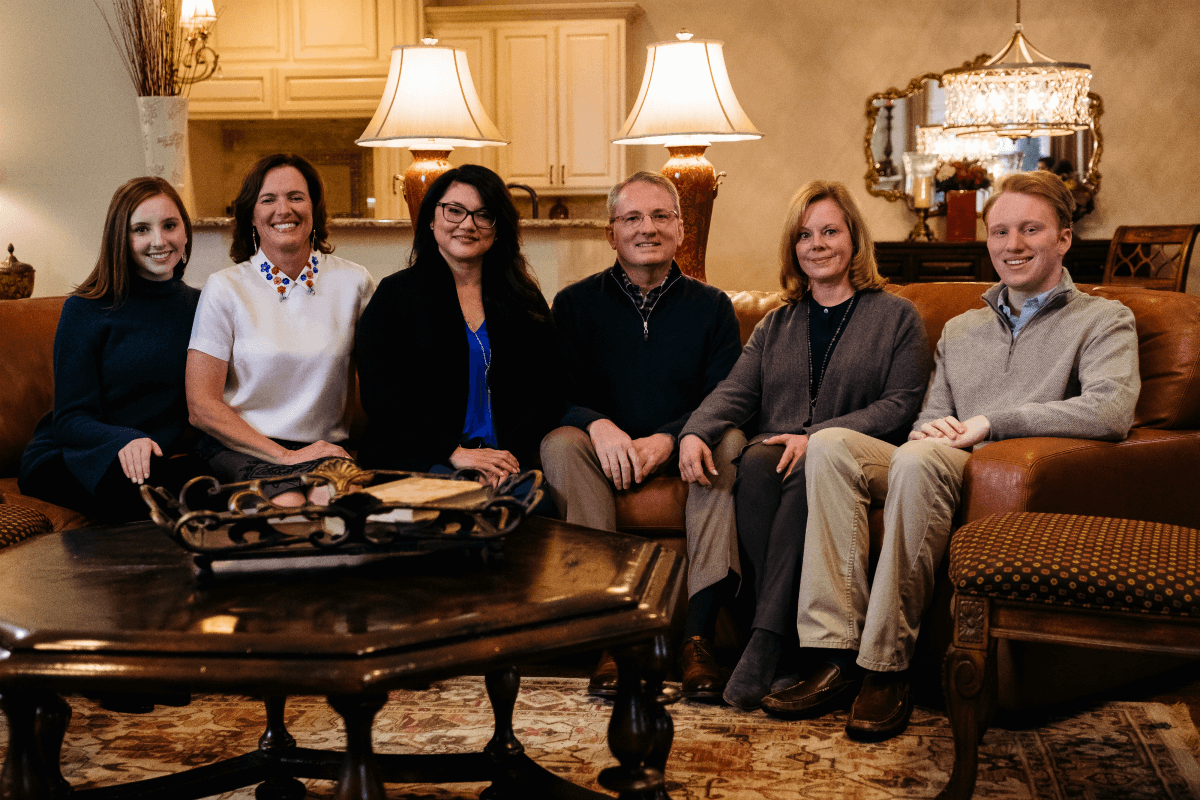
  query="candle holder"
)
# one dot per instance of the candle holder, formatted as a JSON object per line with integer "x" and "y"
{"x": 920, "y": 231}
{"x": 918, "y": 184}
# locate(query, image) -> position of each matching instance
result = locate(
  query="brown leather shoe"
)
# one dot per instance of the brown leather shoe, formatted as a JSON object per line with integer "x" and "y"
{"x": 604, "y": 679}
{"x": 701, "y": 676}
{"x": 824, "y": 690}
{"x": 882, "y": 708}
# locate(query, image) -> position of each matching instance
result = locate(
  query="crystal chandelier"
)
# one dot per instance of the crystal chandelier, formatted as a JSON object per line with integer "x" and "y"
{"x": 1019, "y": 92}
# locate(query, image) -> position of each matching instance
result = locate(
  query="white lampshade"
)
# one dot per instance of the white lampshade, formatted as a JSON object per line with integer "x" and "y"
{"x": 430, "y": 103}
{"x": 197, "y": 13}
{"x": 686, "y": 98}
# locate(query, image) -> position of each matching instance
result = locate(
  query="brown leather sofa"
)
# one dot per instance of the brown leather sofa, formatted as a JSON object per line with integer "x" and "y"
{"x": 1153, "y": 475}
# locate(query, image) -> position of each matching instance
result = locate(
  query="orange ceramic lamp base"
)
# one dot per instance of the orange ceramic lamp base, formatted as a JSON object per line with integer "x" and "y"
{"x": 696, "y": 180}
{"x": 427, "y": 167}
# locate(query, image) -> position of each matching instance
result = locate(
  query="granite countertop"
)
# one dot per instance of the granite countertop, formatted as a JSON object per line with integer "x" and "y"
{"x": 222, "y": 223}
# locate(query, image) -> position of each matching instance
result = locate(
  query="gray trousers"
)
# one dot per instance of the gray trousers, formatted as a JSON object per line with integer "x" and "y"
{"x": 586, "y": 497}
{"x": 839, "y": 607}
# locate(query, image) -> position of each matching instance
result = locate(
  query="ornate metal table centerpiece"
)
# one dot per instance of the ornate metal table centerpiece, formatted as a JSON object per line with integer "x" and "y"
{"x": 364, "y": 520}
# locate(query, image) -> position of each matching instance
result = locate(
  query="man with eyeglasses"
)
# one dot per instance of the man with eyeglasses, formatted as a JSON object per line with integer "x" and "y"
{"x": 643, "y": 345}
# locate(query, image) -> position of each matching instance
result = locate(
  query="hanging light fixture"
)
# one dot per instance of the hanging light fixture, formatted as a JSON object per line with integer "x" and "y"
{"x": 1019, "y": 92}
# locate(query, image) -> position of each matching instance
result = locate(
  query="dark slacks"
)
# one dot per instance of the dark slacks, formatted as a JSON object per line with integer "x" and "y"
{"x": 116, "y": 499}
{"x": 772, "y": 512}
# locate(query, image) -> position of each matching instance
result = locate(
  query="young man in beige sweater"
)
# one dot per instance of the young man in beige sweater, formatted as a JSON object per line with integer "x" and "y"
{"x": 1040, "y": 359}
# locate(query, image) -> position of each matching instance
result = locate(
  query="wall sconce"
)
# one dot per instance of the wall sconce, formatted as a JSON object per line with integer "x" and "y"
{"x": 429, "y": 105}
{"x": 200, "y": 62}
{"x": 686, "y": 103}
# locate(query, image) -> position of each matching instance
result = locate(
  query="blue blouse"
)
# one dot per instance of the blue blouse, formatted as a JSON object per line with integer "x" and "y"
{"x": 478, "y": 430}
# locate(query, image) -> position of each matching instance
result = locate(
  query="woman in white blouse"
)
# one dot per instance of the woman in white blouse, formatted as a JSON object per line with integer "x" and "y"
{"x": 269, "y": 357}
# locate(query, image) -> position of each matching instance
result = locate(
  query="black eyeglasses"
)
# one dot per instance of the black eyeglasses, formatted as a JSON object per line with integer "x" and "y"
{"x": 455, "y": 213}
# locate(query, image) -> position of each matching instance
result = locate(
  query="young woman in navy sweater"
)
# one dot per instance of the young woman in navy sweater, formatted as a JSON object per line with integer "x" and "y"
{"x": 119, "y": 352}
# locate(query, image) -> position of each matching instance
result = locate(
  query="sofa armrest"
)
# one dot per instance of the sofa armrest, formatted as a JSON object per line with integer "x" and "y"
{"x": 1150, "y": 476}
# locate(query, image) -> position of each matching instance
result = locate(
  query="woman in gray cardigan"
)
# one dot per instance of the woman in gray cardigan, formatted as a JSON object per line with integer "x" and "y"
{"x": 841, "y": 352}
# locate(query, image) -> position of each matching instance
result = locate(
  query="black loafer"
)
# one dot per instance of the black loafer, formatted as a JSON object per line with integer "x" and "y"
{"x": 882, "y": 709}
{"x": 826, "y": 689}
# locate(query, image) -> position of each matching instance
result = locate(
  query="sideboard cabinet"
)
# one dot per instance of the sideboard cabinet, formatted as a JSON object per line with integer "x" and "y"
{"x": 916, "y": 262}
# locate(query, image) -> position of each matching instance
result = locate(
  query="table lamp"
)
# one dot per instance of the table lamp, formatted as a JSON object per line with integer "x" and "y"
{"x": 429, "y": 105}
{"x": 686, "y": 103}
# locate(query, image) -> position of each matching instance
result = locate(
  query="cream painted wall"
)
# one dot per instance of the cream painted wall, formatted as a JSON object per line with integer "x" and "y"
{"x": 802, "y": 70}
{"x": 69, "y": 136}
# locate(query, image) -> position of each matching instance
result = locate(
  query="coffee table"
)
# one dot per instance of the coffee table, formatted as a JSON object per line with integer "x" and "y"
{"x": 119, "y": 610}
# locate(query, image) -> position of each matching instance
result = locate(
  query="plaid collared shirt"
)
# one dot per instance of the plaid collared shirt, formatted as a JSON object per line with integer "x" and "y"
{"x": 642, "y": 302}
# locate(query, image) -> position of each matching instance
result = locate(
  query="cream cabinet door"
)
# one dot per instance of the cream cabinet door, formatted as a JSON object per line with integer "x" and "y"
{"x": 527, "y": 103}
{"x": 559, "y": 92}
{"x": 590, "y": 107}
{"x": 304, "y": 58}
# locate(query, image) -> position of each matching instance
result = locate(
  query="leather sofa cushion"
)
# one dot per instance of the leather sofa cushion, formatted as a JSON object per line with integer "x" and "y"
{"x": 61, "y": 518}
{"x": 26, "y": 372}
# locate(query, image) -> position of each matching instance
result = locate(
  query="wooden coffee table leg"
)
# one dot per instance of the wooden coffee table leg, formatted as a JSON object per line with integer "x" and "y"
{"x": 361, "y": 778}
{"x": 502, "y": 687}
{"x": 655, "y": 670}
{"x": 37, "y": 723}
{"x": 633, "y": 731}
{"x": 274, "y": 743}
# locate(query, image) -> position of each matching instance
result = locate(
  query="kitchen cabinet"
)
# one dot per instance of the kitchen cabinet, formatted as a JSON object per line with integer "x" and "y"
{"x": 303, "y": 58}
{"x": 553, "y": 78}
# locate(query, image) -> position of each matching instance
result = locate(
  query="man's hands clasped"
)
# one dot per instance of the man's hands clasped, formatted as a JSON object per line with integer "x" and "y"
{"x": 949, "y": 431}
{"x": 626, "y": 461}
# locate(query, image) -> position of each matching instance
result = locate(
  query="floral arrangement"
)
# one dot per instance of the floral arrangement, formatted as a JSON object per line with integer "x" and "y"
{"x": 968, "y": 175}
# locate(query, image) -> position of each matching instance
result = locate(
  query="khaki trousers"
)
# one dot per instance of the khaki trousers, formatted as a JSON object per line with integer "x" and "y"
{"x": 586, "y": 497}
{"x": 839, "y": 607}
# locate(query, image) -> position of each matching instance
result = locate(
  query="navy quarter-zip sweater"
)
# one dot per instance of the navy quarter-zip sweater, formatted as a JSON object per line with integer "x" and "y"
{"x": 647, "y": 376}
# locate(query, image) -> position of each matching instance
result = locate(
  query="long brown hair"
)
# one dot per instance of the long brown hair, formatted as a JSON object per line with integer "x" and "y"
{"x": 243, "y": 246}
{"x": 110, "y": 277}
{"x": 864, "y": 271}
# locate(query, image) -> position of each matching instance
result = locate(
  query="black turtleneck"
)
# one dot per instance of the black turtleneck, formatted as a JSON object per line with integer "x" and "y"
{"x": 118, "y": 376}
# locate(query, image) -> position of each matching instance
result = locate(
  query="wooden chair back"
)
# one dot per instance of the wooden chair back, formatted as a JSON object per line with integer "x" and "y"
{"x": 1153, "y": 256}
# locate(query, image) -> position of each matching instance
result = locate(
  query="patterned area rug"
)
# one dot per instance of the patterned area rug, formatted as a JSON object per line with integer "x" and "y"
{"x": 1131, "y": 751}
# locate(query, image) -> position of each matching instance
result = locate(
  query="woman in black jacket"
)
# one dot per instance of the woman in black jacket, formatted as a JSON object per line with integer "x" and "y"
{"x": 455, "y": 352}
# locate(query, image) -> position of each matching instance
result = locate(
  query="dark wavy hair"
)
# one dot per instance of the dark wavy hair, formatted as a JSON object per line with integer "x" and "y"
{"x": 507, "y": 279}
{"x": 110, "y": 276}
{"x": 243, "y": 207}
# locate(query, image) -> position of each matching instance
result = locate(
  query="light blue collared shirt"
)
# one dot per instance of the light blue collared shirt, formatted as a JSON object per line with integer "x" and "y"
{"x": 1031, "y": 307}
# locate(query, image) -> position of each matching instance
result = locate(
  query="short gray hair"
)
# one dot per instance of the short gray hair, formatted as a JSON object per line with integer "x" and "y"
{"x": 654, "y": 178}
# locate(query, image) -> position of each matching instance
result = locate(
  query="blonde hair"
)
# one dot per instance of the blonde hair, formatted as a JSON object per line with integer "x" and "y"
{"x": 864, "y": 271}
{"x": 1038, "y": 183}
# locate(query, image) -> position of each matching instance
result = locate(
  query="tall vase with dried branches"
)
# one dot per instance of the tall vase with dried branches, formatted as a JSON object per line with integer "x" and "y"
{"x": 163, "y": 60}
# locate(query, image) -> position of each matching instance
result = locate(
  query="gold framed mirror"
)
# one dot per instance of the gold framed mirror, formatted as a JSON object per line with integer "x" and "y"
{"x": 901, "y": 120}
